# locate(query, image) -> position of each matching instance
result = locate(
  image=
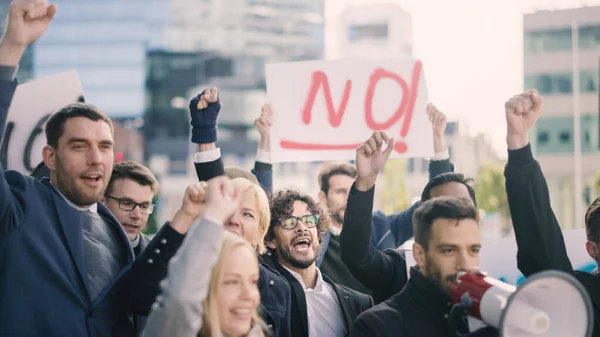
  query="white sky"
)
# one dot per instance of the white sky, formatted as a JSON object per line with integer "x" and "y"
{"x": 472, "y": 54}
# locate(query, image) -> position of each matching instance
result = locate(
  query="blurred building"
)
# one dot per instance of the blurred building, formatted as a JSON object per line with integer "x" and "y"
{"x": 105, "y": 41}
{"x": 548, "y": 68}
{"x": 375, "y": 30}
{"x": 279, "y": 30}
{"x": 467, "y": 153}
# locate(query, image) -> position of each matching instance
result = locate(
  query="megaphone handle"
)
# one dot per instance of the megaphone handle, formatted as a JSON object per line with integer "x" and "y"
{"x": 457, "y": 320}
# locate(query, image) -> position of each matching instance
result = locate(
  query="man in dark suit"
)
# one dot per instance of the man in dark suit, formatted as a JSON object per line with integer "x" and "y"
{"x": 128, "y": 196}
{"x": 67, "y": 267}
{"x": 320, "y": 307}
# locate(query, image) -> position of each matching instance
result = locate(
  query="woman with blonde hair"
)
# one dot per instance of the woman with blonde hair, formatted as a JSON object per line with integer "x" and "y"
{"x": 211, "y": 288}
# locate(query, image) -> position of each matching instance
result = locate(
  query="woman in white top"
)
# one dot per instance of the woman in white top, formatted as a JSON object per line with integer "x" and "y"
{"x": 211, "y": 288}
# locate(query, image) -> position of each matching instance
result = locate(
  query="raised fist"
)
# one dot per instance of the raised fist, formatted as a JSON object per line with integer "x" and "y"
{"x": 27, "y": 21}
{"x": 371, "y": 158}
{"x": 193, "y": 200}
{"x": 265, "y": 121}
{"x": 204, "y": 112}
{"x": 222, "y": 199}
{"x": 522, "y": 111}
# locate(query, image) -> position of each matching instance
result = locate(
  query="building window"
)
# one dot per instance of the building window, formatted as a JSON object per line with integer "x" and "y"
{"x": 366, "y": 32}
{"x": 543, "y": 137}
{"x": 562, "y": 83}
{"x": 565, "y": 137}
{"x": 411, "y": 165}
{"x": 560, "y": 39}
{"x": 587, "y": 137}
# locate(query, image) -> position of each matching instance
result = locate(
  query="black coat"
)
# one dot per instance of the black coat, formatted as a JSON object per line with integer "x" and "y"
{"x": 352, "y": 302}
{"x": 420, "y": 309}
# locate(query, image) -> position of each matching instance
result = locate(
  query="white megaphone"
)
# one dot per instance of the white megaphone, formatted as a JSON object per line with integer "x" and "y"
{"x": 547, "y": 304}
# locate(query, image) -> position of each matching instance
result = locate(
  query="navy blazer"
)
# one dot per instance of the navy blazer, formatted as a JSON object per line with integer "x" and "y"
{"x": 43, "y": 278}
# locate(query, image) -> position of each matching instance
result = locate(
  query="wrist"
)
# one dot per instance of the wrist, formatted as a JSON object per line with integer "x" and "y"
{"x": 439, "y": 144}
{"x": 182, "y": 221}
{"x": 206, "y": 147}
{"x": 10, "y": 54}
{"x": 364, "y": 184}
{"x": 515, "y": 142}
{"x": 265, "y": 144}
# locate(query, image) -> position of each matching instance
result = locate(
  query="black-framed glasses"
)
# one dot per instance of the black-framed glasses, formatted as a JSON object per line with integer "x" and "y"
{"x": 291, "y": 221}
{"x": 129, "y": 205}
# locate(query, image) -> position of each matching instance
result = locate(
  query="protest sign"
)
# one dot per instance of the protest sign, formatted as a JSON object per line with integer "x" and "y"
{"x": 33, "y": 102}
{"x": 498, "y": 258}
{"x": 323, "y": 110}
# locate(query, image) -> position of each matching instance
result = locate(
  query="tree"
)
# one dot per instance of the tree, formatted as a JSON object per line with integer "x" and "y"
{"x": 491, "y": 191}
{"x": 393, "y": 194}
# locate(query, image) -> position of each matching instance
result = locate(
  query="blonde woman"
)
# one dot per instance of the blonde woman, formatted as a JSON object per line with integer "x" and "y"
{"x": 211, "y": 288}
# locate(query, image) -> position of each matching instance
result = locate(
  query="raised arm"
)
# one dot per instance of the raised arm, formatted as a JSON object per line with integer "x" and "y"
{"x": 371, "y": 267}
{"x": 178, "y": 311}
{"x": 27, "y": 21}
{"x": 539, "y": 238}
{"x": 399, "y": 225}
{"x": 204, "y": 112}
{"x": 263, "y": 169}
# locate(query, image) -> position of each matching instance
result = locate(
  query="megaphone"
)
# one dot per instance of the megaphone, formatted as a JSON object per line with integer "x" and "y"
{"x": 547, "y": 304}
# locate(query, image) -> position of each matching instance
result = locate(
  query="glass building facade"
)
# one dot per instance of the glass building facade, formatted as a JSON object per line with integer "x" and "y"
{"x": 544, "y": 41}
{"x": 105, "y": 41}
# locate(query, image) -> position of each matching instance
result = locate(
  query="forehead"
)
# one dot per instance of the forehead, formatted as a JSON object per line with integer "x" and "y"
{"x": 85, "y": 128}
{"x": 248, "y": 200}
{"x": 240, "y": 261}
{"x": 463, "y": 232}
{"x": 451, "y": 189}
{"x": 128, "y": 188}
{"x": 340, "y": 181}
{"x": 300, "y": 208}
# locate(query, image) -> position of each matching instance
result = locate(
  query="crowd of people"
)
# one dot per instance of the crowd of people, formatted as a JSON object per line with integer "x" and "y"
{"x": 239, "y": 259}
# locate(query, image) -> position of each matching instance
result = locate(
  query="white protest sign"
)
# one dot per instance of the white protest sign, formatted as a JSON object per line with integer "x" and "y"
{"x": 498, "y": 258}
{"x": 32, "y": 103}
{"x": 323, "y": 110}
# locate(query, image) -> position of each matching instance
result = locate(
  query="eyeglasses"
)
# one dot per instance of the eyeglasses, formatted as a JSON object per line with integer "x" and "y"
{"x": 291, "y": 221}
{"x": 129, "y": 205}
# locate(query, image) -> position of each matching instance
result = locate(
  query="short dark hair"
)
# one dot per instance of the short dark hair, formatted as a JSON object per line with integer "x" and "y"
{"x": 331, "y": 169}
{"x": 448, "y": 178}
{"x": 282, "y": 205}
{"x": 134, "y": 171}
{"x": 592, "y": 221}
{"x": 440, "y": 208}
{"x": 55, "y": 125}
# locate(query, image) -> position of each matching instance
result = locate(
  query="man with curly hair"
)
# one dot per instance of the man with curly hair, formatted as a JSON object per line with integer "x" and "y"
{"x": 320, "y": 307}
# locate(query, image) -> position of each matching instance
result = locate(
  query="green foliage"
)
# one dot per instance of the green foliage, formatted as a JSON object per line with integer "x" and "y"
{"x": 491, "y": 191}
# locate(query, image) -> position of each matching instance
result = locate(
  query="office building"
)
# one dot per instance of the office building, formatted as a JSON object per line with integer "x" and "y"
{"x": 548, "y": 68}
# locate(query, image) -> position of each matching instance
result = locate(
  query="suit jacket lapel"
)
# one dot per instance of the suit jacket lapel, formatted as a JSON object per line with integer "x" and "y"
{"x": 298, "y": 291}
{"x": 344, "y": 298}
{"x": 71, "y": 225}
{"x": 113, "y": 222}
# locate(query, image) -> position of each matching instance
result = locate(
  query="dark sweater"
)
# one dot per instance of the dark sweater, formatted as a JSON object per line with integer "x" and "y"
{"x": 540, "y": 242}
{"x": 420, "y": 309}
{"x": 334, "y": 267}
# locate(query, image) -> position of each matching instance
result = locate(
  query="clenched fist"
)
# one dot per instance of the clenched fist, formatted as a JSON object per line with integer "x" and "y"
{"x": 438, "y": 125}
{"x": 263, "y": 125}
{"x": 204, "y": 112}
{"x": 222, "y": 199}
{"x": 522, "y": 111}
{"x": 371, "y": 158}
{"x": 193, "y": 200}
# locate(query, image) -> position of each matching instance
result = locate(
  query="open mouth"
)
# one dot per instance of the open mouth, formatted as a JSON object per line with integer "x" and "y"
{"x": 92, "y": 179}
{"x": 301, "y": 244}
{"x": 242, "y": 313}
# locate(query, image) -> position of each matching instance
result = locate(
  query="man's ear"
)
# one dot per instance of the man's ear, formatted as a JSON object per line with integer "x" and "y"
{"x": 322, "y": 198}
{"x": 592, "y": 249}
{"x": 49, "y": 157}
{"x": 270, "y": 244}
{"x": 418, "y": 254}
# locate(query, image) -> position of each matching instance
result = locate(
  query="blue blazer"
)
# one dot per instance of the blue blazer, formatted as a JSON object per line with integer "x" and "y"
{"x": 43, "y": 277}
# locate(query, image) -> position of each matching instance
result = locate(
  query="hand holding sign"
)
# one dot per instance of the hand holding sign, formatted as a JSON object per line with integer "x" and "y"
{"x": 263, "y": 125}
{"x": 521, "y": 113}
{"x": 371, "y": 158}
{"x": 28, "y": 20}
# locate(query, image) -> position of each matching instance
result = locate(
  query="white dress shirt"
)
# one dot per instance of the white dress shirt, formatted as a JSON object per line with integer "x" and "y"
{"x": 323, "y": 308}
